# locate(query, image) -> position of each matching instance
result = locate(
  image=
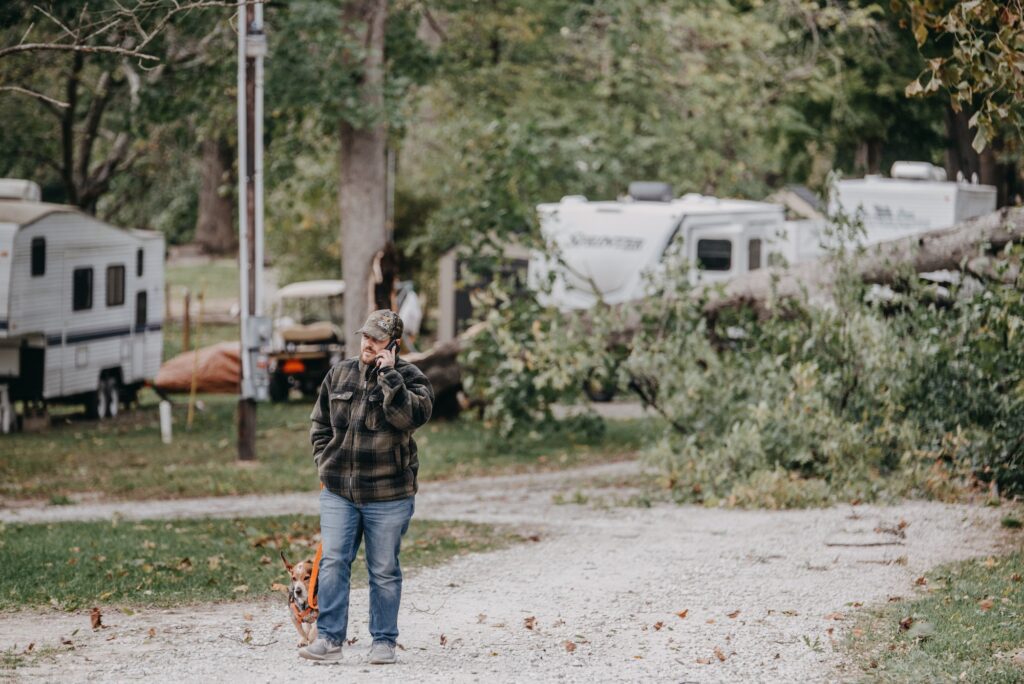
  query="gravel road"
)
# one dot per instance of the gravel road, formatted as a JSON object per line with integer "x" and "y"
{"x": 597, "y": 598}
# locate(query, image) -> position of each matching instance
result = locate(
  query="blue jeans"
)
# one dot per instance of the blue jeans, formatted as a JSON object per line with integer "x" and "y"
{"x": 343, "y": 525}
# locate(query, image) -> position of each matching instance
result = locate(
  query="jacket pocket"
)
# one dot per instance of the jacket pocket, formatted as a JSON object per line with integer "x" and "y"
{"x": 341, "y": 409}
{"x": 375, "y": 412}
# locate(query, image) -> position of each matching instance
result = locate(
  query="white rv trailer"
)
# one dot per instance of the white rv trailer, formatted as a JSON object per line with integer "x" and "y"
{"x": 917, "y": 198}
{"x": 611, "y": 248}
{"x": 81, "y": 305}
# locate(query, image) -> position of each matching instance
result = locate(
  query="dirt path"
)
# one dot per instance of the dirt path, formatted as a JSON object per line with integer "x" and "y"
{"x": 762, "y": 590}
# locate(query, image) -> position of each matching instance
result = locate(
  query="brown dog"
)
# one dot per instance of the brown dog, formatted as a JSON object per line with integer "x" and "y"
{"x": 302, "y": 613}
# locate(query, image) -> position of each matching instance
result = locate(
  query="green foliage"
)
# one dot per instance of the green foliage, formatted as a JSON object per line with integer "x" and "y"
{"x": 975, "y": 51}
{"x": 525, "y": 359}
{"x": 875, "y": 397}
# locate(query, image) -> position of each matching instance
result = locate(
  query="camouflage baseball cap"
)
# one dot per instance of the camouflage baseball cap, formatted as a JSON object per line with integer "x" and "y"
{"x": 382, "y": 324}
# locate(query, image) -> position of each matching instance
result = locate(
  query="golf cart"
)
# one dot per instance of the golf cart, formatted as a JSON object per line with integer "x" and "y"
{"x": 308, "y": 335}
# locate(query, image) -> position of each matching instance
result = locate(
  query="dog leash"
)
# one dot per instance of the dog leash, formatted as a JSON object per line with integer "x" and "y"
{"x": 316, "y": 572}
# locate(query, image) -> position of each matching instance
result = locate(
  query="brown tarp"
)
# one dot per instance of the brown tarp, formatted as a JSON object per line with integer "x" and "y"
{"x": 218, "y": 371}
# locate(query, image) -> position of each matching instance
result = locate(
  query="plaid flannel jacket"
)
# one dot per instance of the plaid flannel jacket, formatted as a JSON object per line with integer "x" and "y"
{"x": 362, "y": 430}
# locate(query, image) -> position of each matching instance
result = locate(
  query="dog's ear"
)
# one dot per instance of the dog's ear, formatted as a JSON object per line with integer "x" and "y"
{"x": 288, "y": 566}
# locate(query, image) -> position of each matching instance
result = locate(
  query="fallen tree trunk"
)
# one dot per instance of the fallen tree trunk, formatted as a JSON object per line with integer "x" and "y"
{"x": 964, "y": 247}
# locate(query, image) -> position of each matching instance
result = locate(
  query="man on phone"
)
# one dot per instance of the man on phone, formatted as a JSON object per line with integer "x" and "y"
{"x": 362, "y": 425}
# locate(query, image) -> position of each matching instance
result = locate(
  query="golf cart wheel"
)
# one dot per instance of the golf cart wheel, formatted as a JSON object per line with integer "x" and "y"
{"x": 279, "y": 387}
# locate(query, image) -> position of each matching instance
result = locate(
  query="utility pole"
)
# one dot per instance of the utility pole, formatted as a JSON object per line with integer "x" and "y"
{"x": 254, "y": 328}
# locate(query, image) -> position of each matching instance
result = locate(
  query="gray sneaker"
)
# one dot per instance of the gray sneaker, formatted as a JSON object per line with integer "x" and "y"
{"x": 322, "y": 650}
{"x": 382, "y": 653}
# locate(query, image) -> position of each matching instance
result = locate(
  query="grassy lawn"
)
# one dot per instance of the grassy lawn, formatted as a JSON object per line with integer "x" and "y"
{"x": 218, "y": 279}
{"x": 209, "y": 333}
{"x": 164, "y": 563}
{"x": 125, "y": 458}
{"x": 966, "y": 626}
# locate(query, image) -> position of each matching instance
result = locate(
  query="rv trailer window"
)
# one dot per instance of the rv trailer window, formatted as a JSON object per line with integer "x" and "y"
{"x": 754, "y": 254}
{"x": 140, "y": 311}
{"x": 714, "y": 255}
{"x": 81, "y": 296}
{"x": 138, "y": 263}
{"x": 115, "y": 285}
{"x": 38, "y": 256}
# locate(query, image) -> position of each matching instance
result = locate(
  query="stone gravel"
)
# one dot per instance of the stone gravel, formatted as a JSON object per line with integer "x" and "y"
{"x": 766, "y": 595}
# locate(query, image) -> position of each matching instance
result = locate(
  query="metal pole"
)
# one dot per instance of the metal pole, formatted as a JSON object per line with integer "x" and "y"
{"x": 246, "y": 209}
{"x": 258, "y": 168}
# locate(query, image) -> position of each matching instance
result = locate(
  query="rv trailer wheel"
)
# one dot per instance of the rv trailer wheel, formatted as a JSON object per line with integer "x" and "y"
{"x": 96, "y": 401}
{"x": 113, "y": 397}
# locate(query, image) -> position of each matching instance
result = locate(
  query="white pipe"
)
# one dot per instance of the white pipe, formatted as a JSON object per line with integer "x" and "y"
{"x": 258, "y": 26}
{"x": 243, "y": 218}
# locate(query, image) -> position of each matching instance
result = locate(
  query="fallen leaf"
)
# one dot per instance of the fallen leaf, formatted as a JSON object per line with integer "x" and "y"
{"x": 858, "y": 632}
{"x": 444, "y": 640}
{"x": 530, "y": 622}
{"x": 241, "y": 588}
{"x": 248, "y": 636}
{"x": 902, "y": 525}
{"x": 638, "y": 657}
{"x": 355, "y": 639}
{"x": 986, "y": 605}
{"x": 29, "y": 647}
{"x": 658, "y": 626}
{"x": 921, "y": 581}
{"x": 569, "y": 646}
{"x": 97, "y": 618}
{"x": 247, "y": 616}
{"x": 734, "y": 614}
{"x": 152, "y": 632}
{"x": 277, "y": 586}
{"x": 265, "y": 560}
{"x": 683, "y": 613}
{"x": 480, "y": 618}
{"x": 1016, "y": 577}
{"x": 111, "y": 637}
{"x": 719, "y": 654}
{"x": 703, "y": 661}
{"x": 710, "y": 621}
{"x": 834, "y": 616}
{"x": 906, "y": 622}
{"x": 990, "y": 562}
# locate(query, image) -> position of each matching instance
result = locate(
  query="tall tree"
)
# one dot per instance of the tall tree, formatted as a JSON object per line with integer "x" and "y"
{"x": 363, "y": 165}
{"x": 106, "y": 76}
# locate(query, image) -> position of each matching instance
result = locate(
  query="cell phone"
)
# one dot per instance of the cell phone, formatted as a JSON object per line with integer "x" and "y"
{"x": 392, "y": 346}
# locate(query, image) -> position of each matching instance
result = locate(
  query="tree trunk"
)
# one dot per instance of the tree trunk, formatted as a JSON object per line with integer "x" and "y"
{"x": 215, "y": 225}
{"x": 363, "y": 163}
{"x": 959, "y": 248}
{"x": 960, "y": 156}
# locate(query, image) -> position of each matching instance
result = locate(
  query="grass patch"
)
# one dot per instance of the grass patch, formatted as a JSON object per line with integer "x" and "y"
{"x": 164, "y": 563}
{"x": 125, "y": 458}
{"x": 967, "y": 626}
{"x": 218, "y": 278}
{"x": 210, "y": 333}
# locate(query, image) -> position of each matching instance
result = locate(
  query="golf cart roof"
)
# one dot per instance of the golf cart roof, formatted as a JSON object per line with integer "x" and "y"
{"x": 312, "y": 288}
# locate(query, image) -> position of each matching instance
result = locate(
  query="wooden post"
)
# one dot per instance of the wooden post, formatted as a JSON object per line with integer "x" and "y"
{"x": 186, "y": 323}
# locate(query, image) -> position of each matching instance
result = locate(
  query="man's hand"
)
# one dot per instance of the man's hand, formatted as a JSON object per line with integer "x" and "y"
{"x": 386, "y": 358}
